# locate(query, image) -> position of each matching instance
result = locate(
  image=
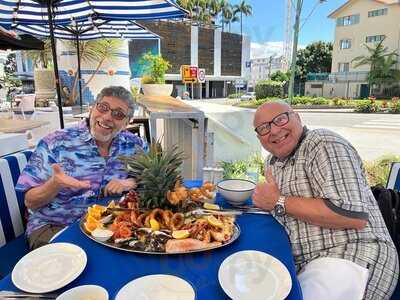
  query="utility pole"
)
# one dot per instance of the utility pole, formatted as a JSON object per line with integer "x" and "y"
{"x": 294, "y": 50}
{"x": 269, "y": 67}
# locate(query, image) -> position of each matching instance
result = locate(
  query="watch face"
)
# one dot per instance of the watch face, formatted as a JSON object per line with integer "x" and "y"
{"x": 279, "y": 210}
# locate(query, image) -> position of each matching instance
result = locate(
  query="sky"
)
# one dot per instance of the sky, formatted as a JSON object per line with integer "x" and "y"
{"x": 267, "y": 24}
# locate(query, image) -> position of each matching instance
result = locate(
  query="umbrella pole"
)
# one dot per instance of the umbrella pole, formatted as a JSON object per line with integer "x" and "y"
{"x": 79, "y": 71}
{"x": 53, "y": 49}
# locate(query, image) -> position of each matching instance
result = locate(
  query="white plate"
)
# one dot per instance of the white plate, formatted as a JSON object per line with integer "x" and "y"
{"x": 254, "y": 275}
{"x": 157, "y": 287}
{"x": 84, "y": 292}
{"x": 49, "y": 268}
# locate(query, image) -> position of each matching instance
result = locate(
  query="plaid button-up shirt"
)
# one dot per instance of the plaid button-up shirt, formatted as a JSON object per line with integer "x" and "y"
{"x": 325, "y": 165}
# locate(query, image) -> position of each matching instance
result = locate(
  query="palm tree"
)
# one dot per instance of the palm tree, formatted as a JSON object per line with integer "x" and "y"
{"x": 93, "y": 51}
{"x": 41, "y": 58}
{"x": 244, "y": 9}
{"x": 227, "y": 14}
{"x": 382, "y": 65}
{"x": 234, "y": 19}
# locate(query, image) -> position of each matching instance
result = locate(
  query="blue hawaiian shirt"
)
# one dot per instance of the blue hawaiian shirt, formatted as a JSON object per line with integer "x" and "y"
{"x": 75, "y": 150}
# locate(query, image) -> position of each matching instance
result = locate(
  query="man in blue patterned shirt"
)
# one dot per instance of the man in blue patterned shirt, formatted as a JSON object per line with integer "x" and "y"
{"x": 71, "y": 168}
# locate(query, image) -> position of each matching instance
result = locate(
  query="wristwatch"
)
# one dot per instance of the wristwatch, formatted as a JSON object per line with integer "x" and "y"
{"x": 279, "y": 208}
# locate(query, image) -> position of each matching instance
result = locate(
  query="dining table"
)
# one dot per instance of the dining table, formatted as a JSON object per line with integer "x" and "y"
{"x": 113, "y": 268}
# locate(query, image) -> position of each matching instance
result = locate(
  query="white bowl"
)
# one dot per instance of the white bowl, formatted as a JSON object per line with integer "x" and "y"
{"x": 83, "y": 292}
{"x": 236, "y": 191}
{"x": 102, "y": 235}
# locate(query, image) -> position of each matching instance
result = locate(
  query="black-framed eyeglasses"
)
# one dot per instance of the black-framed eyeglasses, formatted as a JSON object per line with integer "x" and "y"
{"x": 116, "y": 113}
{"x": 279, "y": 120}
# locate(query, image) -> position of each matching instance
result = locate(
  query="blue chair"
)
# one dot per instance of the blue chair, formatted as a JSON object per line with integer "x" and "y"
{"x": 13, "y": 244}
{"x": 394, "y": 184}
{"x": 394, "y": 177}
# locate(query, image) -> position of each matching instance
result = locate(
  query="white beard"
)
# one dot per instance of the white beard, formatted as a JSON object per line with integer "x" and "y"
{"x": 100, "y": 137}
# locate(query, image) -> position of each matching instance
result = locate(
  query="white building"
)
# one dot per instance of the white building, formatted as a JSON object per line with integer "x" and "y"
{"x": 263, "y": 68}
{"x": 359, "y": 23}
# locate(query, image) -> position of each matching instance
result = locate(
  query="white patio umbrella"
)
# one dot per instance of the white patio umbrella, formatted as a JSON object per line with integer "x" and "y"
{"x": 90, "y": 30}
{"x": 63, "y": 12}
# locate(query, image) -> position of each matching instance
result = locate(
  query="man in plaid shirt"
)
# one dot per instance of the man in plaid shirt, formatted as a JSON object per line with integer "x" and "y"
{"x": 316, "y": 188}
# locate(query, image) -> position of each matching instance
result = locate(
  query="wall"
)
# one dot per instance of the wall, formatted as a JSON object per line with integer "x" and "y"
{"x": 344, "y": 90}
{"x": 206, "y": 50}
{"x": 175, "y": 42}
{"x": 114, "y": 72}
{"x": 231, "y": 54}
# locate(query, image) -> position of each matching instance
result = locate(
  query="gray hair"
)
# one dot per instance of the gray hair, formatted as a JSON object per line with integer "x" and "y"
{"x": 120, "y": 93}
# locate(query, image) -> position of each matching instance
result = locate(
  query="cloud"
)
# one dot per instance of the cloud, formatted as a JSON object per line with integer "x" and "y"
{"x": 266, "y": 49}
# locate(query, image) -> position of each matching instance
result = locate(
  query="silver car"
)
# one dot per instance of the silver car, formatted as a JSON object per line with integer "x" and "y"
{"x": 248, "y": 96}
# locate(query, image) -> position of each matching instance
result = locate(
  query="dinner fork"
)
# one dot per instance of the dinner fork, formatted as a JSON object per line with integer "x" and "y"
{"x": 23, "y": 295}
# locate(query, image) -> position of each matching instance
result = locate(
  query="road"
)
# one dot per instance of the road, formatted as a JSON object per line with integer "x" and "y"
{"x": 373, "y": 135}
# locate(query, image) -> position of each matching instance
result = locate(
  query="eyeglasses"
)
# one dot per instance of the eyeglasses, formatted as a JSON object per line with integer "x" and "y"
{"x": 116, "y": 113}
{"x": 280, "y": 120}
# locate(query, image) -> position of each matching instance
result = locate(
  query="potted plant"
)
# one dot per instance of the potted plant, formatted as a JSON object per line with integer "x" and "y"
{"x": 153, "y": 82}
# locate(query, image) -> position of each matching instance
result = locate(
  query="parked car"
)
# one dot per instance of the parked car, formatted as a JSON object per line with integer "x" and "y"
{"x": 248, "y": 96}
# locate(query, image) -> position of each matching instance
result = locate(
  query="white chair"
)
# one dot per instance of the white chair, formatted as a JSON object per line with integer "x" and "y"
{"x": 394, "y": 177}
{"x": 24, "y": 104}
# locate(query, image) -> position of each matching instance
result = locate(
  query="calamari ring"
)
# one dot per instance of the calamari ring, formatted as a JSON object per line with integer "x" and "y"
{"x": 147, "y": 221}
{"x": 177, "y": 221}
{"x": 157, "y": 214}
{"x": 208, "y": 186}
{"x": 167, "y": 216}
{"x": 206, "y": 193}
{"x": 141, "y": 218}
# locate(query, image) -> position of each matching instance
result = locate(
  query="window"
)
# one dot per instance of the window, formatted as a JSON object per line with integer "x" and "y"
{"x": 316, "y": 86}
{"x": 343, "y": 67}
{"x": 348, "y": 20}
{"x": 374, "y": 38}
{"x": 345, "y": 44}
{"x": 377, "y": 12}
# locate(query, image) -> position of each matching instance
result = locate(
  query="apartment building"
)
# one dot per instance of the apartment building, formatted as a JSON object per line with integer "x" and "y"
{"x": 358, "y": 23}
{"x": 263, "y": 68}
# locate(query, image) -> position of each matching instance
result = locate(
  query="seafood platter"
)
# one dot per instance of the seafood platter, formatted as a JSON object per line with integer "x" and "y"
{"x": 180, "y": 229}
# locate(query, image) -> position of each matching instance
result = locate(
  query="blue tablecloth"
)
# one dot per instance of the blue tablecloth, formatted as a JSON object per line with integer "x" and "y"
{"x": 112, "y": 268}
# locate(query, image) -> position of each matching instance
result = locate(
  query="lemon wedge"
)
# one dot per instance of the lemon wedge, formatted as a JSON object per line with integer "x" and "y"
{"x": 154, "y": 225}
{"x": 180, "y": 234}
{"x": 207, "y": 205}
{"x": 214, "y": 222}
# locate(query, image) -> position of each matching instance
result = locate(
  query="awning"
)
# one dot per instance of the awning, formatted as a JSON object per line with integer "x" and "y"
{"x": 24, "y": 42}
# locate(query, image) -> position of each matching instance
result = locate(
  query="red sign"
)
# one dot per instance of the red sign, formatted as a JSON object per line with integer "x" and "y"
{"x": 189, "y": 73}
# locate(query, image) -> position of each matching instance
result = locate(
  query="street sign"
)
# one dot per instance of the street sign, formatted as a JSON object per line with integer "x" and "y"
{"x": 201, "y": 75}
{"x": 189, "y": 73}
{"x": 248, "y": 64}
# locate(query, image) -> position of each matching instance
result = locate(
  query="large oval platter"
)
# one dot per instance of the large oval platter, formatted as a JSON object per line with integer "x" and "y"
{"x": 235, "y": 235}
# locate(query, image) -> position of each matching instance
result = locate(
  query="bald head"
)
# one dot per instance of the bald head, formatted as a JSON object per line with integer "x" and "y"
{"x": 278, "y": 128}
{"x": 270, "y": 108}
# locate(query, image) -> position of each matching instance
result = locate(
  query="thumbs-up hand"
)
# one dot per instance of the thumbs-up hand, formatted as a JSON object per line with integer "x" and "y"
{"x": 61, "y": 180}
{"x": 266, "y": 194}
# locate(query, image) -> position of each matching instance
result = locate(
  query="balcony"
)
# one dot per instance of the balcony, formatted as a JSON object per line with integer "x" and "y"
{"x": 317, "y": 76}
{"x": 338, "y": 76}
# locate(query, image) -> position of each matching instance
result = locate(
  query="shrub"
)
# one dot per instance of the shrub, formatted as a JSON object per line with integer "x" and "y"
{"x": 367, "y": 106}
{"x": 240, "y": 168}
{"x": 395, "y": 106}
{"x": 269, "y": 88}
{"x": 235, "y": 95}
{"x": 378, "y": 170}
{"x": 319, "y": 101}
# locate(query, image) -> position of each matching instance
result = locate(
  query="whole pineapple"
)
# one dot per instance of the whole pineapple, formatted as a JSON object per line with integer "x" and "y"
{"x": 155, "y": 172}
